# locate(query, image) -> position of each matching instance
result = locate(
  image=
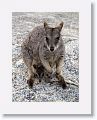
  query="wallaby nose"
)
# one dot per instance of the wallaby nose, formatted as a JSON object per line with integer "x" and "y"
{"x": 51, "y": 48}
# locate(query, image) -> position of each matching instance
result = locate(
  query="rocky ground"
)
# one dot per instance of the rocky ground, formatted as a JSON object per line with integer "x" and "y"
{"x": 22, "y": 24}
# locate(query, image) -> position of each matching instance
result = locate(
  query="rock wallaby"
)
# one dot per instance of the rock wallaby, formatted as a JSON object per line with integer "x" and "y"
{"x": 42, "y": 50}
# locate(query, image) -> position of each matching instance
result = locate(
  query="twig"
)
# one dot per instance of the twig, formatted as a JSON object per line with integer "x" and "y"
{"x": 67, "y": 81}
{"x": 72, "y": 83}
{"x": 70, "y": 40}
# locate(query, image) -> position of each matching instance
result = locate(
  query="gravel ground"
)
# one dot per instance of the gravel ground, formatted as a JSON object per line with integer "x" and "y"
{"x": 22, "y": 24}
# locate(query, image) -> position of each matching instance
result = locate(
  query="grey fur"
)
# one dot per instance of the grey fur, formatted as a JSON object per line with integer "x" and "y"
{"x": 44, "y": 46}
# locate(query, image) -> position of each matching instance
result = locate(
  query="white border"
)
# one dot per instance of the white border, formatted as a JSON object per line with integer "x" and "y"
{"x": 84, "y": 9}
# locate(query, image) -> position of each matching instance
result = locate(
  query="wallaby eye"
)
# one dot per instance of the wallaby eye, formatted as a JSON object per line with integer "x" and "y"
{"x": 56, "y": 40}
{"x": 47, "y": 40}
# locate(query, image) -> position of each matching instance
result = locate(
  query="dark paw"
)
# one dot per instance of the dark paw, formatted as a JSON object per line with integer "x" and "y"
{"x": 30, "y": 83}
{"x": 64, "y": 85}
{"x": 39, "y": 80}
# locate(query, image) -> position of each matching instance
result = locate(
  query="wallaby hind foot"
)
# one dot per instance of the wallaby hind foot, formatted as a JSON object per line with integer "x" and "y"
{"x": 61, "y": 81}
{"x": 30, "y": 83}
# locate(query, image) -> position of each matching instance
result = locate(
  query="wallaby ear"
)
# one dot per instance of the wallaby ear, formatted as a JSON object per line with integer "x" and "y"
{"x": 45, "y": 25}
{"x": 60, "y": 26}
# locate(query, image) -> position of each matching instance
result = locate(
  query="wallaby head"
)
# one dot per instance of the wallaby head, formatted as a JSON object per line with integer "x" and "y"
{"x": 52, "y": 36}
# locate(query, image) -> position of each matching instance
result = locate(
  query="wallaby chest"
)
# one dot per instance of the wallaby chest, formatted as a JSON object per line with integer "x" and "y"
{"x": 52, "y": 59}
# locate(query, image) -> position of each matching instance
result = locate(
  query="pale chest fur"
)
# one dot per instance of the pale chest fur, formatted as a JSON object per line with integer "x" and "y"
{"x": 52, "y": 61}
{"x": 52, "y": 58}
